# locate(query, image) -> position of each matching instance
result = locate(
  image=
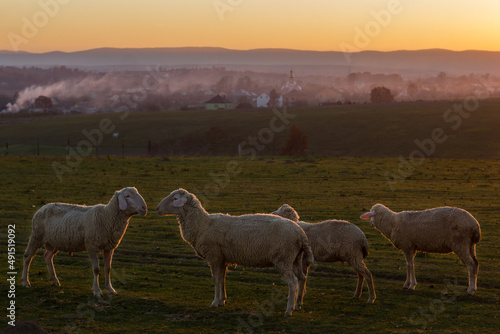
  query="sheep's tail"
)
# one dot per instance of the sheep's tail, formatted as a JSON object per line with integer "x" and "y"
{"x": 476, "y": 235}
{"x": 307, "y": 253}
{"x": 365, "y": 250}
{"x": 365, "y": 247}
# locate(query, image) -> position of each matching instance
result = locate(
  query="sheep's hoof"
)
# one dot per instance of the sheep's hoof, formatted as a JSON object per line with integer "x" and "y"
{"x": 214, "y": 304}
{"x": 98, "y": 293}
{"x": 288, "y": 314}
{"x": 27, "y": 284}
{"x": 370, "y": 301}
{"x": 111, "y": 290}
{"x": 56, "y": 282}
{"x": 470, "y": 292}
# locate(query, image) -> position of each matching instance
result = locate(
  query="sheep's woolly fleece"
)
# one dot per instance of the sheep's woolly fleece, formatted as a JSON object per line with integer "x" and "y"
{"x": 258, "y": 240}
{"x": 76, "y": 228}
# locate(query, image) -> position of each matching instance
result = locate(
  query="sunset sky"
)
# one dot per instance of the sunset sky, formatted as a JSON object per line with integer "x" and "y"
{"x": 336, "y": 25}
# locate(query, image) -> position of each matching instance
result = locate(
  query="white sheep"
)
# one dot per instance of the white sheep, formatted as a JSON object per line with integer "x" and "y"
{"x": 438, "y": 230}
{"x": 77, "y": 228}
{"x": 257, "y": 240}
{"x": 334, "y": 241}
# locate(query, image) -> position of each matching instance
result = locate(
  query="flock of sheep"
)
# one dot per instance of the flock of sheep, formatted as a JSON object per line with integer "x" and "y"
{"x": 277, "y": 240}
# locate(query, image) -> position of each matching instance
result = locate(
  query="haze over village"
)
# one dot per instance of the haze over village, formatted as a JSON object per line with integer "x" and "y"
{"x": 96, "y": 87}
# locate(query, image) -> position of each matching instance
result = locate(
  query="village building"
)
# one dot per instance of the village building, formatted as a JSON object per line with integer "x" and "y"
{"x": 262, "y": 100}
{"x": 292, "y": 93}
{"x": 218, "y": 102}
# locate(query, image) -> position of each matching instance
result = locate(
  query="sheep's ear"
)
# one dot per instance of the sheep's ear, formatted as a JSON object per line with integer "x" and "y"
{"x": 178, "y": 203}
{"x": 367, "y": 215}
{"x": 122, "y": 203}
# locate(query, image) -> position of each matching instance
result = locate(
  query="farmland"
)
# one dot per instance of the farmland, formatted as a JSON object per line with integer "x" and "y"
{"x": 465, "y": 129}
{"x": 164, "y": 288}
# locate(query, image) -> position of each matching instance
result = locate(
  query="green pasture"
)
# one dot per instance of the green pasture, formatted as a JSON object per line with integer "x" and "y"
{"x": 164, "y": 288}
{"x": 466, "y": 129}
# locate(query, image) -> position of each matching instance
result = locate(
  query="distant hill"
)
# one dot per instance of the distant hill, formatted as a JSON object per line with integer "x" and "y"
{"x": 327, "y": 62}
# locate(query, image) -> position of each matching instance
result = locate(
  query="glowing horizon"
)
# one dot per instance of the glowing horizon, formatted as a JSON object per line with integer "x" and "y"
{"x": 64, "y": 25}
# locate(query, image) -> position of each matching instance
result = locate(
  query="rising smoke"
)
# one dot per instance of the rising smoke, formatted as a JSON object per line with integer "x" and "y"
{"x": 67, "y": 89}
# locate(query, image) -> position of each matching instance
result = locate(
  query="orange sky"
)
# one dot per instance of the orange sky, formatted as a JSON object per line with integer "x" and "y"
{"x": 70, "y": 25}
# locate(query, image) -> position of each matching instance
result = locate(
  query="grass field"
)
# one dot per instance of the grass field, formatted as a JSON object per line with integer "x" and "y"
{"x": 164, "y": 288}
{"x": 469, "y": 130}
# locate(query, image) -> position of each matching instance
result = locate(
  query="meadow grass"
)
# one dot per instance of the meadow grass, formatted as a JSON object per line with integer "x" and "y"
{"x": 370, "y": 130}
{"x": 164, "y": 288}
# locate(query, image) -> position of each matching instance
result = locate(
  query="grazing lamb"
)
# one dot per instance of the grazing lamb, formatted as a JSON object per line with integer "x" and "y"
{"x": 438, "y": 230}
{"x": 333, "y": 241}
{"x": 77, "y": 228}
{"x": 256, "y": 240}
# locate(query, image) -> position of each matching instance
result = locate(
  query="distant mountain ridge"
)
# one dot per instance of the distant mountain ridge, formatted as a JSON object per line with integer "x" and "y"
{"x": 404, "y": 62}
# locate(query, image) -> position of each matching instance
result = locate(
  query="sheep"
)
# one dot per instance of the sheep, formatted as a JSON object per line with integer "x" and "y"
{"x": 333, "y": 241}
{"x": 256, "y": 240}
{"x": 438, "y": 230}
{"x": 77, "y": 228}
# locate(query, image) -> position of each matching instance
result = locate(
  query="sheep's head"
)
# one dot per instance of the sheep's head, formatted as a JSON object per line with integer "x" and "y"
{"x": 375, "y": 214}
{"x": 286, "y": 211}
{"x": 173, "y": 203}
{"x": 130, "y": 201}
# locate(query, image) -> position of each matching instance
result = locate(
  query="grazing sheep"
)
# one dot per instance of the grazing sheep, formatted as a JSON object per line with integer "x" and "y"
{"x": 333, "y": 241}
{"x": 256, "y": 240}
{"x": 77, "y": 228}
{"x": 438, "y": 230}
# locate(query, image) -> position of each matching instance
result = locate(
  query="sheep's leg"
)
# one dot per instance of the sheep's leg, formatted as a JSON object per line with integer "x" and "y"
{"x": 49, "y": 256}
{"x": 473, "y": 272}
{"x": 218, "y": 273}
{"x": 371, "y": 287}
{"x": 468, "y": 258}
{"x": 94, "y": 258}
{"x": 411, "y": 280}
{"x": 222, "y": 287}
{"x": 300, "y": 271}
{"x": 292, "y": 290}
{"x": 28, "y": 256}
{"x": 363, "y": 273}
{"x": 359, "y": 286}
{"x": 108, "y": 257}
